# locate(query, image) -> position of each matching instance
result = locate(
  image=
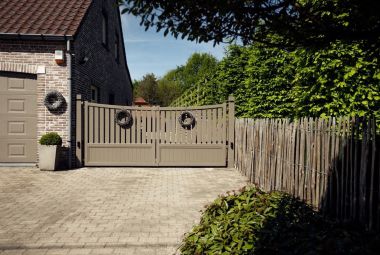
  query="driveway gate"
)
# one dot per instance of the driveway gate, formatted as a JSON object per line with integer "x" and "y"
{"x": 155, "y": 135}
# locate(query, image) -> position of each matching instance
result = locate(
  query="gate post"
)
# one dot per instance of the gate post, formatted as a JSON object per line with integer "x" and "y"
{"x": 79, "y": 131}
{"x": 231, "y": 132}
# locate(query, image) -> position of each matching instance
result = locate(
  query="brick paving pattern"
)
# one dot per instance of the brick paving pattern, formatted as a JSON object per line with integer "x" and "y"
{"x": 105, "y": 211}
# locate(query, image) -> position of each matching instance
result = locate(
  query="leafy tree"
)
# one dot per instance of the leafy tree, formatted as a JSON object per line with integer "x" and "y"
{"x": 176, "y": 75}
{"x": 135, "y": 84}
{"x": 167, "y": 91}
{"x": 198, "y": 67}
{"x": 147, "y": 89}
{"x": 296, "y": 22}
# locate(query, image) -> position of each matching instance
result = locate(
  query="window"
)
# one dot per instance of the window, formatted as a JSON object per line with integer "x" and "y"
{"x": 111, "y": 98}
{"x": 94, "y": 94}
{"x": 116, "y": 49}
{"x": 104, "y": 29}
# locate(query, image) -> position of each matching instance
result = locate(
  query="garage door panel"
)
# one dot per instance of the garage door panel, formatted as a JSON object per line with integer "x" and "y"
{"x": 18, "y": 85}
{"x": 18, "y": 127}
{"x": 18, "y": 150}
{"x": 18, "y": 118}
{"x": 18, "y": 104}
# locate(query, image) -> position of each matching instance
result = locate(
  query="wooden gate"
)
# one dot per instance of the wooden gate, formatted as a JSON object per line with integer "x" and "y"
{"x": 155, "y": 136}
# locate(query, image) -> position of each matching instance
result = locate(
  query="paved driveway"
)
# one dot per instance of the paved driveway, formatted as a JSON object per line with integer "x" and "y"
{"x": 105, "y": 211}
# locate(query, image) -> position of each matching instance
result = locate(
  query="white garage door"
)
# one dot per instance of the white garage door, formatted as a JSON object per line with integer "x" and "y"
{"x": 18, "y": 118}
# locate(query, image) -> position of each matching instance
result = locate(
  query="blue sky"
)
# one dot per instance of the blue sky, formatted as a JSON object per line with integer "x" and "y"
{"x": 151, "y": 52}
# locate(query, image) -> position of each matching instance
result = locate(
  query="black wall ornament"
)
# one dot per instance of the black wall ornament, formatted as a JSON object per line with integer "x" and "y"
{"x": 186, "y": 120}
{"x": 124, "y": 118}
{"x": 54, "y": 101}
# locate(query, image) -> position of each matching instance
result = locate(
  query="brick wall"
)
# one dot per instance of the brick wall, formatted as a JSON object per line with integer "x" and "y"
{"x": 101, "y": 70}
{"x": 22, "y": 56}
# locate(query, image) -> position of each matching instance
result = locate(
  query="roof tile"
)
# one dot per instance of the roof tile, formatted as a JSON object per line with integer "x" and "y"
{"x": 53, "y": 17}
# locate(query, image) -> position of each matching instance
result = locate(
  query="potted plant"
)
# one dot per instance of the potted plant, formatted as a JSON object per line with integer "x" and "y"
{"x": 49, "y": 148}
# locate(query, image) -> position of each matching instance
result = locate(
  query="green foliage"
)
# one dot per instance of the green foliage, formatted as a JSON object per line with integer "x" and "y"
{"x": 297, "y": 22}
{"x": 341, "y": 79}
{"x": 167, "y": 91}
{"x": 163, "y": 91}
{"x": 147, "y": 88}
{"x": 51, "y": 138}
{"x": 135, "y": 84}
{"x": 254, "y": 222}
{"x": 197, "y": 68}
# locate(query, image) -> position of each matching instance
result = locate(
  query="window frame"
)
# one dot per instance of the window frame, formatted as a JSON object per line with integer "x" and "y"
{"x": 105, "y": 39}
{"x": 95, "y": 95}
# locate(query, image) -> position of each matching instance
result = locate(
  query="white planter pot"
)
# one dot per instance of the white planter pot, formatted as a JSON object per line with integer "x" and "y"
{"x": 48, "y": 157}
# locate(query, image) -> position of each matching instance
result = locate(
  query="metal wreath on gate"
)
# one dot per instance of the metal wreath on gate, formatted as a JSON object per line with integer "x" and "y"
{"x": 186, "y": 120}
{"x": 54, "y": 100}
{"x": 123, "y": 118}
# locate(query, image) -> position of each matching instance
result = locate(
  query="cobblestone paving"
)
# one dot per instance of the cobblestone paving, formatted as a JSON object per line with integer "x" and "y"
{"x": 105, "y": 210}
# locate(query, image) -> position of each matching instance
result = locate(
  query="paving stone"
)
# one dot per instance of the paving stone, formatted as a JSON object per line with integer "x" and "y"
{"x": 105, "y": 210}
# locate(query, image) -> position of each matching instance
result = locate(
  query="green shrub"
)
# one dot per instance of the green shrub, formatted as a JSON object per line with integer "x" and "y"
{"x": 51, "y": 138}
{"x": 255, "y": 222}
{"x": 339, "y": 79}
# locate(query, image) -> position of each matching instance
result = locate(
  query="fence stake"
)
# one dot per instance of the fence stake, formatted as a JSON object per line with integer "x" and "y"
{"x": 231, "y": 130}
{"x": 330, "y": 164}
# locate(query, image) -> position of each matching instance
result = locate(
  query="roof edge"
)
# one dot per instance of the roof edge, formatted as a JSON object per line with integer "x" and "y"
{"x": 83, "y": 19}
{"x": 35, "y": 37}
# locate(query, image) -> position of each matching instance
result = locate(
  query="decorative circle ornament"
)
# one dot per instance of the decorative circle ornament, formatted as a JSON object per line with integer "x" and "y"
{"x": 54, "y": 100}
{"x": 186, "y": 120}
{"x": 123, "y": 118}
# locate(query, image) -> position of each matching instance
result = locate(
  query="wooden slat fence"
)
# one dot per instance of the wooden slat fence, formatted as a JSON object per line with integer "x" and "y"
{"x": 332, "y": 164}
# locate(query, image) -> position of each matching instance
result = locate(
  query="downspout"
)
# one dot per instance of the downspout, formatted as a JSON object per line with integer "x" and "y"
{"x": 69, "y": 83}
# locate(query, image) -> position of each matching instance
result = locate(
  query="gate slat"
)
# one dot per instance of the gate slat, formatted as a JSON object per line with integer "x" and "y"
{"x": 224, "y": 123}
{"x": 148, "y": 126}
{"x": 219, "y": 125}
{"x": 143, "y": 127}
{"x": 107, "y": 125}
{"x": 214, "y": 129}
{"x": 192, "y": 131}
{"x": 127, "y": 131}
{"x": 133, "y": 127}
{"x": 101, "y": 125}
{"x": 163, "y": 127}
{"x": 122, "y": 134}
{"x": 112, "y": 126}
{"x": 86, "y": 121}
{"x": 173, "y": 127}
{"x": 96, "y": 125}
{"x": 169, "y": 126}
{"x": 204, "y": 126}
{"x": 200, "y": 128}
{"x": 138, "y": 127}
{"x": 91, "y": 124}
{"x": 180, "y": 131}
{"x": 209, "y": 126}
{"x": 117, "y": 131}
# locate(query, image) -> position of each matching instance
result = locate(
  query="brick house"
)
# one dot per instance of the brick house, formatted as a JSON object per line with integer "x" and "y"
{"x": 73, "y": 47}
